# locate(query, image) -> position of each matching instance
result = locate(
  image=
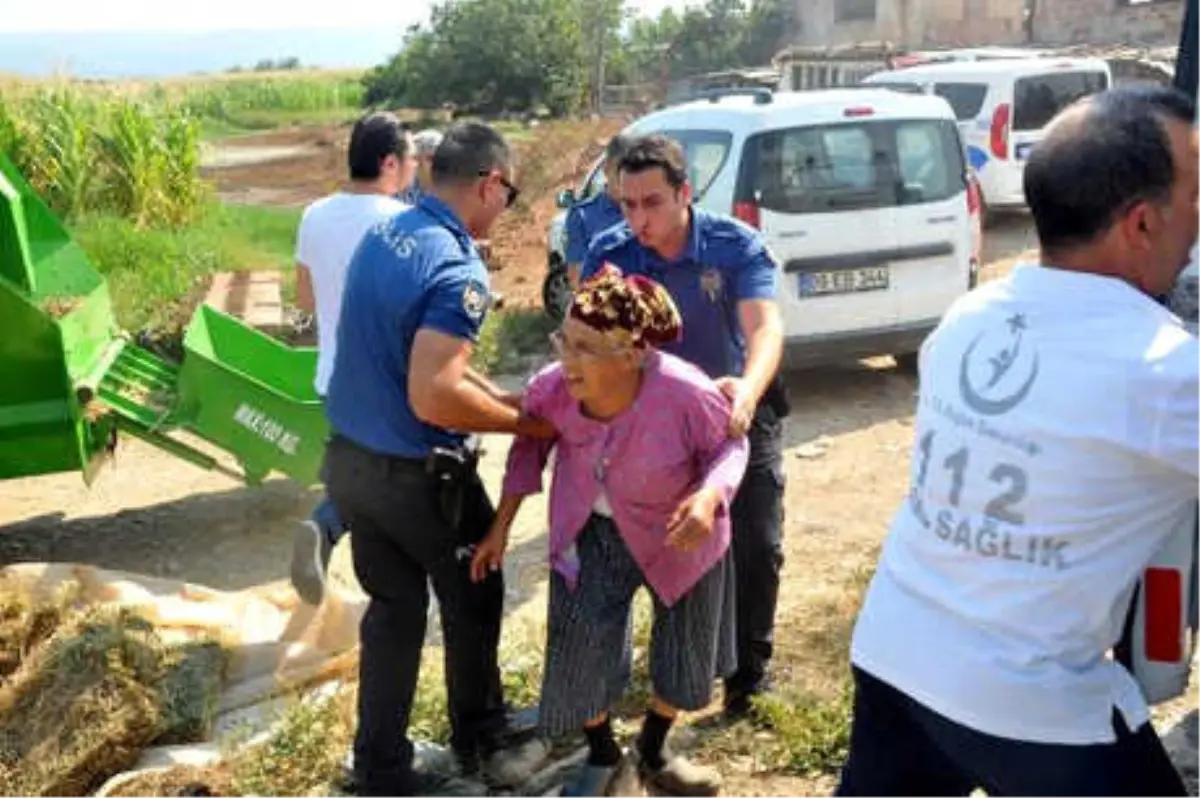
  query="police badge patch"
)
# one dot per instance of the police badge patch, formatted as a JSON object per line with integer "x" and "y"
{"x": 475, "y": 300}
{"x": 711, "y": 284}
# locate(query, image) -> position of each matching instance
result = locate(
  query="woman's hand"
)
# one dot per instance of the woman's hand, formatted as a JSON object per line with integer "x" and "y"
{"x": 692, "y": 522}
{"x": 489, "y": 552}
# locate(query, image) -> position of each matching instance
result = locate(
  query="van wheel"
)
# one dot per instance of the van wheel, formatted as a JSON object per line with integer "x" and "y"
{"x": 556, "y": 291}
{"x": 907, "y": 362}
{"x": 987, "y": 217}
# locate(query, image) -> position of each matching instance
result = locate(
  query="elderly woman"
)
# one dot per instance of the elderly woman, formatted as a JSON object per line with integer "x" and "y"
{"x": 643, "y": 477}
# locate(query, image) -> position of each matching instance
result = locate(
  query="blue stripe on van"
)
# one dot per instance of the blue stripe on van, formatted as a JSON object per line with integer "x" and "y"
{"x": 976, "y": 157}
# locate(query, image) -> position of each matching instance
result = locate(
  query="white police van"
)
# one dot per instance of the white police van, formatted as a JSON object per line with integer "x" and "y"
{"x": 861, "y": 194}
{"x": 1002, "y": 106}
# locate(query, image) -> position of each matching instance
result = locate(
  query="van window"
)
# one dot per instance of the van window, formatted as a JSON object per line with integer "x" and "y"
{"x": 1038, "y": 98}
{"x": 829, "y": 168}
{"x": 965, "y": 98}
{"x": 906, "y": 88}
{"x": 706, "y": 152}
{"x": 595, "y": 182}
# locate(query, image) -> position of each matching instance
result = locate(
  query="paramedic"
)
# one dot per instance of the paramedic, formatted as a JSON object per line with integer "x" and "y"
{"x": 1056, "y": 450}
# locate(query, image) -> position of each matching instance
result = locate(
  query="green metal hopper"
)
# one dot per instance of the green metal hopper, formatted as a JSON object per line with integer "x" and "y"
{"x": 251, "y": 395}
{"x": 70, "y": 381}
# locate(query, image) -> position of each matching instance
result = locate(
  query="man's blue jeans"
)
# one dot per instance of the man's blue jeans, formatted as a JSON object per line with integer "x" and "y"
{"x": 329, "y": 521}
{"x": 325, "y": 515}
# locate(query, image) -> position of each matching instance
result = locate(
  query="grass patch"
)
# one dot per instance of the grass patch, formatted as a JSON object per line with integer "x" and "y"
{"x": 266, "y": 235}
{"x": 510, "y": 338}
{"x": 803, "y": 727}
{"x": 303, "y": 756}
{"x": 157, "y": 276}
{"x": 812, "y": 733}
{"x": 263, "y": 119}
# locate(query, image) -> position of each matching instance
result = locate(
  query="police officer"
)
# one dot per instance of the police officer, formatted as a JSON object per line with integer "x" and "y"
{"x": 401, "y": 471}
{"x": 593, "y": 216}
{"x": 724, "y": 282}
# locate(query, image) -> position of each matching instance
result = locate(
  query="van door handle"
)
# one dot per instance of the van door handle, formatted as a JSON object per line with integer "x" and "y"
{"x": 941, "y": 219}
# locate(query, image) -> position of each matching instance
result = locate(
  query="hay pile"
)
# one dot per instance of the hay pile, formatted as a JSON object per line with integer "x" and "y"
{"x": 181, "y": 781}
{"x": 83, "y": 689}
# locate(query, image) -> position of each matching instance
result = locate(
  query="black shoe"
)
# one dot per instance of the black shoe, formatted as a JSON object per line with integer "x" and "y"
{"x": 418, "y": 783}
{"x": 739, "y": 697}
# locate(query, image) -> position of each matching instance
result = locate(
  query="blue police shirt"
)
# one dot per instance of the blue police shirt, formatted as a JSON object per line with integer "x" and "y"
{"x": 417, "y": 270}
{"x": 724, "y": 263}
{"x": 587, "y": 220}
{"x": 412, "y": 195}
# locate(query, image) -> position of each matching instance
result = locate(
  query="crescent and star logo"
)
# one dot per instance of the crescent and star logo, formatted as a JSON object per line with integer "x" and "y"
{"x": 1007, "y": 385}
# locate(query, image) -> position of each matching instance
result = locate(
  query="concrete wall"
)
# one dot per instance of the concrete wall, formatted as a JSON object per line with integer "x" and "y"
{"x": 1107, "y": 21}
{"x": 914, "y": 23}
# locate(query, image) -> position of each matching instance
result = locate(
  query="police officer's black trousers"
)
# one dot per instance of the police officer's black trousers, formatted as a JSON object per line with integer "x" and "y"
{"x": 402, "y": 544}
{"x": 757, "y": 516}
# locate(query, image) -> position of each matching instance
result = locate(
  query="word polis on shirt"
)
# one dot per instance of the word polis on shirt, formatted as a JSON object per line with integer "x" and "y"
{"x": 944, "y": 473}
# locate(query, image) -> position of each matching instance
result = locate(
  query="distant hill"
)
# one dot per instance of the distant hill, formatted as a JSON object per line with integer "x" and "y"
{"x": 108, "y": 54}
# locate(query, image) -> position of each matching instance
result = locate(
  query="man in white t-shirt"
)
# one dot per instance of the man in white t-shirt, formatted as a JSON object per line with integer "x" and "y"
{"x": 382, "y": 164}
{"x": 1056, "y": 448}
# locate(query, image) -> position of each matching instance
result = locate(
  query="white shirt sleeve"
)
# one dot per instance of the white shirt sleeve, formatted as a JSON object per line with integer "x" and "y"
{"x": 304, "y": 239}
{"x": 1170, "y": 407}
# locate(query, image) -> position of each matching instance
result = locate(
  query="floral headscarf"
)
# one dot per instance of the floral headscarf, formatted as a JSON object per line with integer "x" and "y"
{"x": 634, "y": 309}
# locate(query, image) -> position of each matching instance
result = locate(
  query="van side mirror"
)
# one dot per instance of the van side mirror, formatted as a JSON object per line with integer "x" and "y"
{"x": 565, "y": 198}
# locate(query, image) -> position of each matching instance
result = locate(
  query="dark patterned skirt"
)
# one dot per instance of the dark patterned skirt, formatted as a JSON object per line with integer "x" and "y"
{"x": 588, "y": 646}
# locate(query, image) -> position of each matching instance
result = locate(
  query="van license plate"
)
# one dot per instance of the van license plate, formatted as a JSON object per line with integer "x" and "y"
{"x": 846, "y": 281}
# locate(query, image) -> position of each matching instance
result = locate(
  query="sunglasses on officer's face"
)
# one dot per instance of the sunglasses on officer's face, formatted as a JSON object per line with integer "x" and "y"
{"x": 513, "y": 191}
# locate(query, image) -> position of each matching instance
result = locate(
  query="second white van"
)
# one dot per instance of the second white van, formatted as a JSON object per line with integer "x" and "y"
{"x": 1001, "y": 107}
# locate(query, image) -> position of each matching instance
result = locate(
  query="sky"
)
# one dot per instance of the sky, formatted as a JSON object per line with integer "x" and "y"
{"x": 82, "y": 16}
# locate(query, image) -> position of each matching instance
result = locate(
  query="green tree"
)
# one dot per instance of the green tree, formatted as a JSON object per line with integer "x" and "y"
{"x": 488, "y": 56}
{"x": 494, "y": 55}
{"x": 605, "y": 60}
{"x": 768, "y": 27}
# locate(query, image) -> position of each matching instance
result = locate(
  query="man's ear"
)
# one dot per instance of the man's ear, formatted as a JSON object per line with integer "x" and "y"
{"x": 685, "y": 192}
{"x": 1141, "y": 224}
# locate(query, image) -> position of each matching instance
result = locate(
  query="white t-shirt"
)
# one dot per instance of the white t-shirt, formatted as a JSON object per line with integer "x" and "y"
{"x": 330, "y": 231}
{"x": 1055, "y": 447}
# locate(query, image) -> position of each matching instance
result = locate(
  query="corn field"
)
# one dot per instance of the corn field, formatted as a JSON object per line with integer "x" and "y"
{"x": 113, "y": 154}
{"x": 133, "y": 149}
{"x": 226, "y": 99}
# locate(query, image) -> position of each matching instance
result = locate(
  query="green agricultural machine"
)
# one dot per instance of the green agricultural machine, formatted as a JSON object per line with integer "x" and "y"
{"x": 71, "y": 382}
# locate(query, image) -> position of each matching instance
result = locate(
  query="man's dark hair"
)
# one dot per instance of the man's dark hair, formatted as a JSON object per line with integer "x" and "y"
{"x": 1083, "y": 175}
{"x": 656, "y": 151}
{"x": 618, "y": 145}
{"x": 468, "y": 151}
{"x": 376, "y": 136}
